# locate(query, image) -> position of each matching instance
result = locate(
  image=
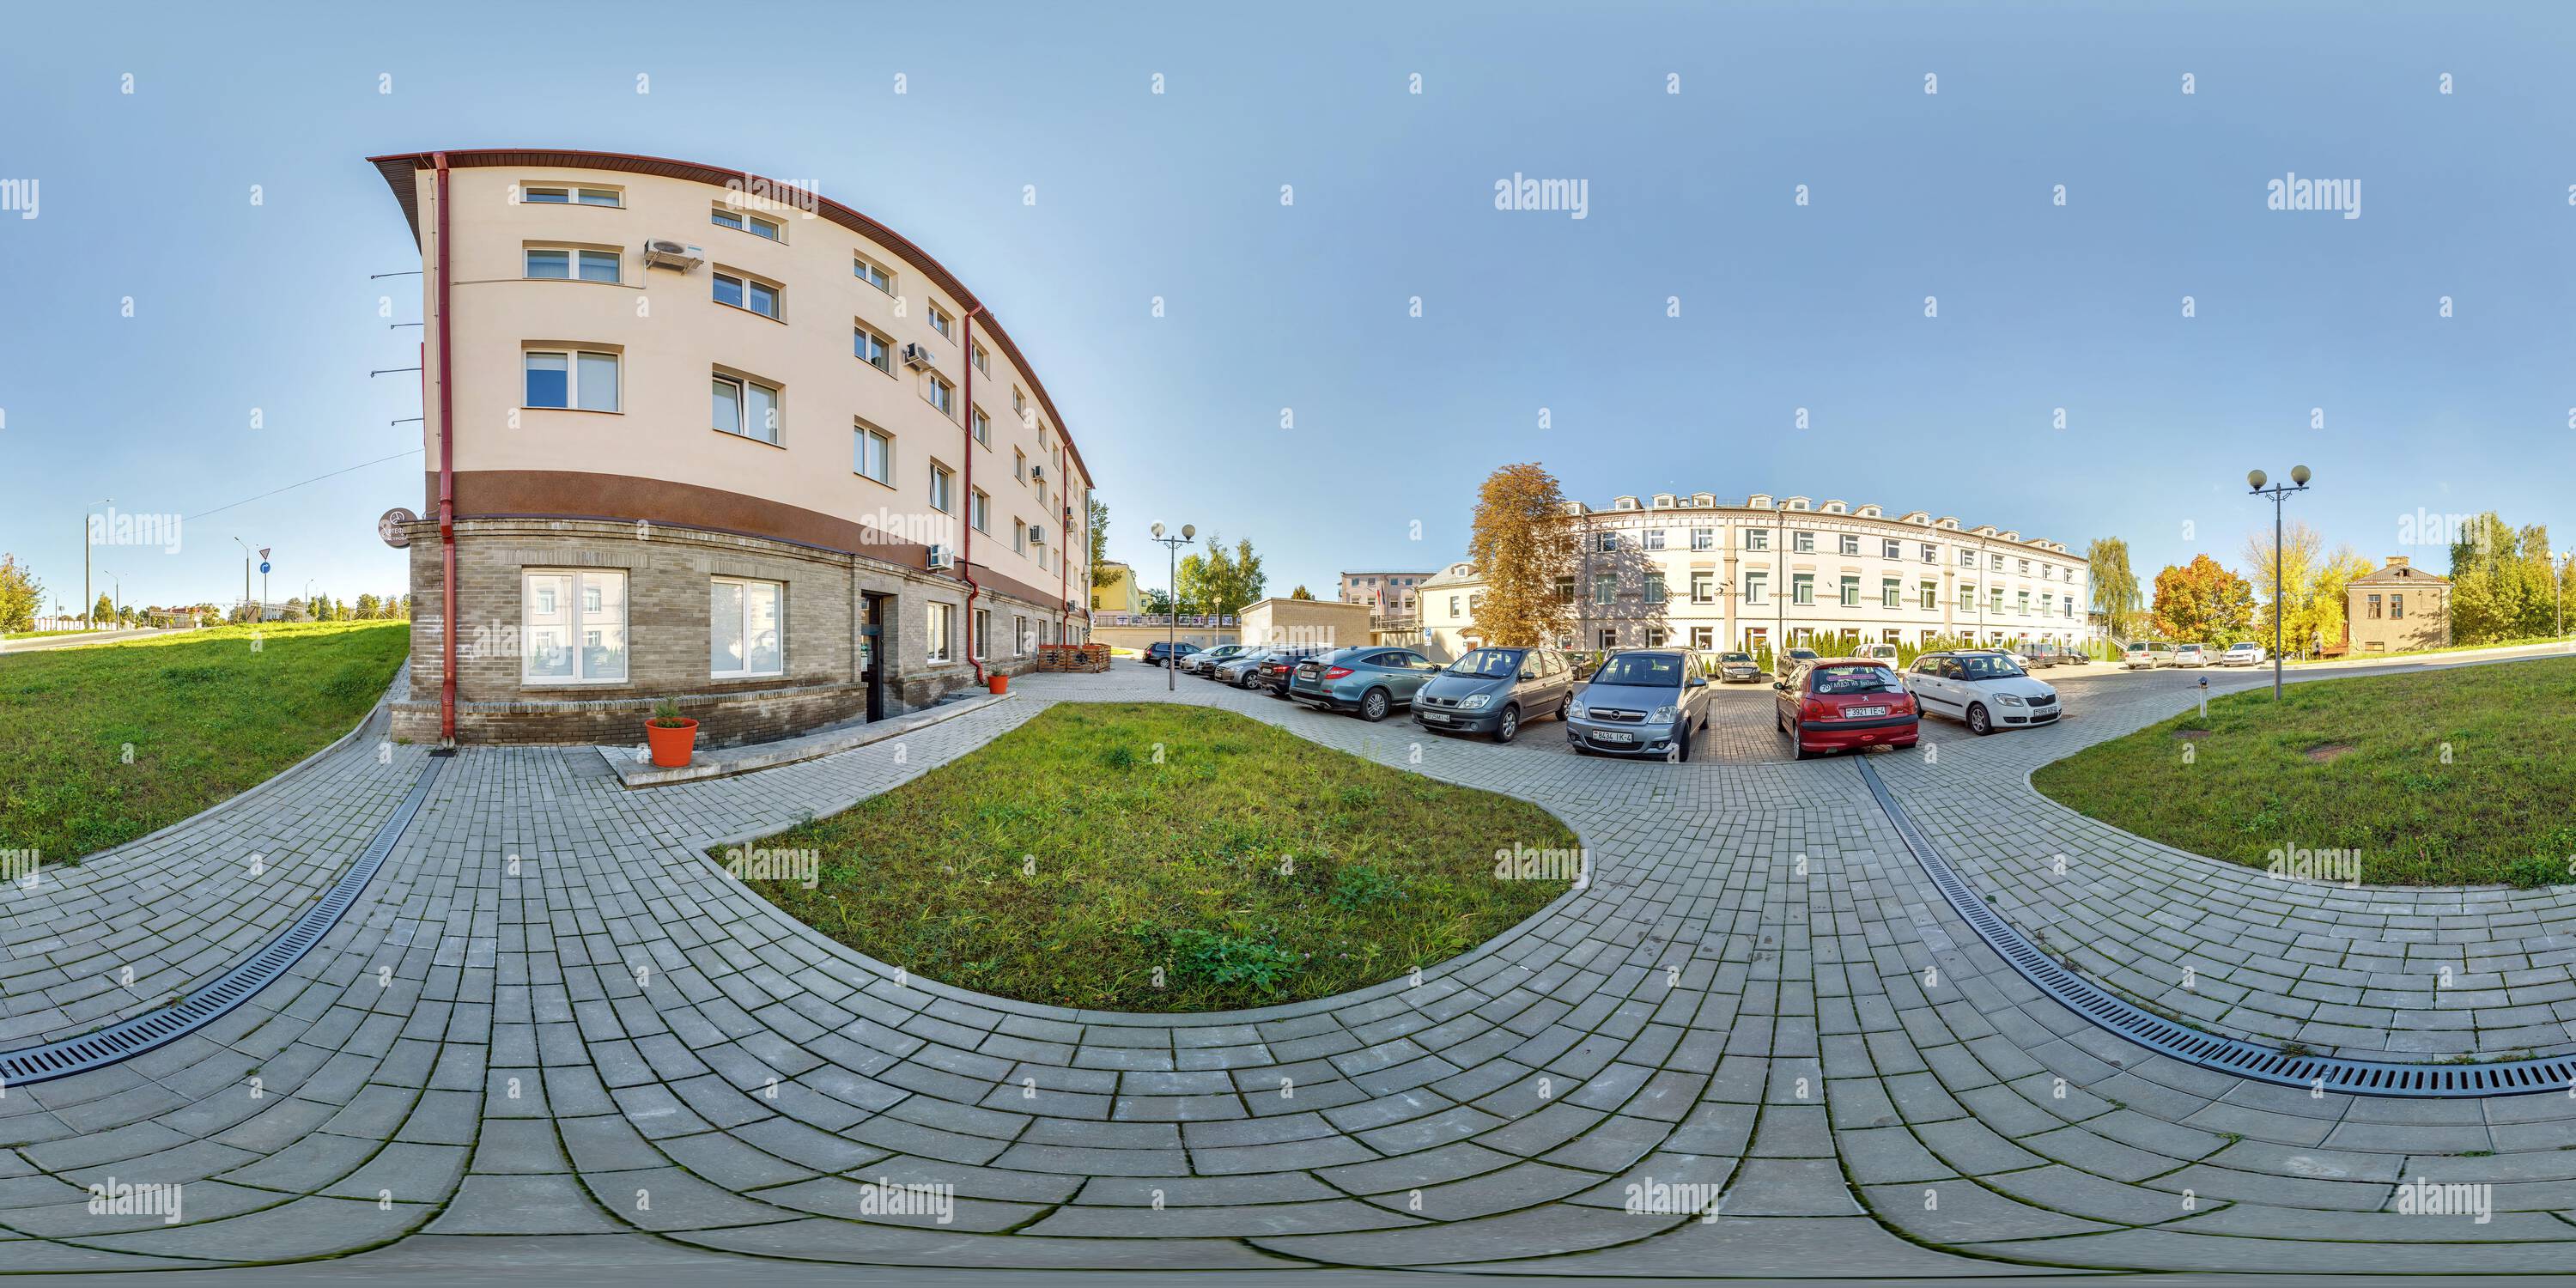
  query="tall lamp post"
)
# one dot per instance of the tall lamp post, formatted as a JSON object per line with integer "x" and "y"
{"x": 1171, "y": 577}
{"x": 88, "y": 599}
{"x": 2254, "y": 479}
{"x": 246, "y": 577}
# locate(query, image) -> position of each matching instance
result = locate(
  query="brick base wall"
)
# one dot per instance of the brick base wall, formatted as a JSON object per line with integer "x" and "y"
{"x": 667, "y": 572}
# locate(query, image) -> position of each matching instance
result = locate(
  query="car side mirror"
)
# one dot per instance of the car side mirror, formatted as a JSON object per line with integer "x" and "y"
{"x": 1698, "y": 681}
{"x": 1781, "y": 685}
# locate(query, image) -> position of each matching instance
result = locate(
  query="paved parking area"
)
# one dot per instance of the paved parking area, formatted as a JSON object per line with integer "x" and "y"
{"x": 551, "y": 1022}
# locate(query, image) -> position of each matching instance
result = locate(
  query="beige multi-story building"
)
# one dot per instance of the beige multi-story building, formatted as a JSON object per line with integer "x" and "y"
{"x": 2398, "y": 608}
{"x": 1387, "y": 594}
{"x": 1778, "y": 572}
{"x": 710, "y": 438}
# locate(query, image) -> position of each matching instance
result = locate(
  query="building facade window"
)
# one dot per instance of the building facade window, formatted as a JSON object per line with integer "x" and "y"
{"x": 746, "y": 407}
{"x": 1757, "y": 539}
{"x": 1850, "y": 544}
{"x": 573, "y": 627}
{"x": 1654, "y": 588}
{"x": 747, "y": 293}
{"x": 563, "y": 264}
{"x": 867, "y": 271}
{"x": 555, "y": 195}
{"x": 1891, "y": 593}
{"x": 1604, "y": 588}
{"x": 1891, "y": 548}
{"x": 983, "y": 642}
{"x": 937, "y": 640}
{"x": 1802, "y": 543}
{"x": 1703, "y": 538}
{"x": 983, "y": 427}
{"x": 1654, "y": 538}
{"x": 742, "y": 221}
{"x": 941, "y": 480}
{"x": 1802, "y": 588}
{"x": 1703, "y": 587}
{"x": 744, "y": 635}
{"x": 1931, "y": 595}
{"x": 979, "y": 510}
{"x": 1703, "y": 638}
{"x": 872, "y": 454}
{"x": 942, "y": 395}
{"x": 1756, "y": 587}
{"x": 1851, "y": 592}
{"x": 940, "y": 321}
{"x": 576, "y": 380}
{"x": 872, "y": 349}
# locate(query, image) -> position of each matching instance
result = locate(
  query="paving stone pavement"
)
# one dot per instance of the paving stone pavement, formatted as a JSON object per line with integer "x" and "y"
{"x": 552, "y": 1018}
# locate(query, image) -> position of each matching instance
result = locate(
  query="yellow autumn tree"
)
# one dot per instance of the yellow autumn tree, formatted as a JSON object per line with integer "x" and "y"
{"x": 1522, "y": 545}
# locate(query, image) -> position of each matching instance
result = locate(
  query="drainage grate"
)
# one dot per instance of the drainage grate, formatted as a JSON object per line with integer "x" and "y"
{"x": 2209, "y": 1051}
{"x": 128, "y": 1038}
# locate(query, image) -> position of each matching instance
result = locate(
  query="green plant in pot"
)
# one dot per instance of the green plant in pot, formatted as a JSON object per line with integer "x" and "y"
{"x": 672, "y": 736}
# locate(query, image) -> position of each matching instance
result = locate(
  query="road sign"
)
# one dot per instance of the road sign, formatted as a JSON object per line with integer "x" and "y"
{"x": 263, "y": 565}
{"x": 390, "y": 525}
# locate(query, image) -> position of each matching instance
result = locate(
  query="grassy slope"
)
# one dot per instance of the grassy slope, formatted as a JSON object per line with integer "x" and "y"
{"x": 208, "y": 718}
{"x": 1175, "y": 864}
{"x": 2503, "y": 797}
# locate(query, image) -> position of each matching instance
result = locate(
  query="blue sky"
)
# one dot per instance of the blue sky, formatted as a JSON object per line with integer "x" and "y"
{"x": 1306, "y": 307}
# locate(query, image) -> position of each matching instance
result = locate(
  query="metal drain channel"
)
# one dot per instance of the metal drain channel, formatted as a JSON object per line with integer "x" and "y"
{"x": 128, "y": 1038}
{"x": 2209, "y": 1051}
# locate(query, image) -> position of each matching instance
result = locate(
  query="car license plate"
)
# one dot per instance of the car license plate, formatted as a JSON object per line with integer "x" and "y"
{"x": 1859, "y": 713}
{"x": 1612, "y": 735}
{"x": 1435, "y": 717}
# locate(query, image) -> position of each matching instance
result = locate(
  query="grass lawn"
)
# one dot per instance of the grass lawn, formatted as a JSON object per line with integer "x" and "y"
{"x": 1248, "y": 865}
{"x": 207, "y": 717}
{"x": 2357, "y": 765}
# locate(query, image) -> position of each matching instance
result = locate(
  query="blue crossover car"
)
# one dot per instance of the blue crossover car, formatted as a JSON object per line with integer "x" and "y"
{"x": 1371, "y": 680}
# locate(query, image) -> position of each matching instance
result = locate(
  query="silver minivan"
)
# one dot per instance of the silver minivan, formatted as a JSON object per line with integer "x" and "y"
{"x": 1641, "y": 702}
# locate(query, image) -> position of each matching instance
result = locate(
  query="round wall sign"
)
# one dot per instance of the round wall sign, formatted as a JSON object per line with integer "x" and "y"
{"x": 391, "y": 525}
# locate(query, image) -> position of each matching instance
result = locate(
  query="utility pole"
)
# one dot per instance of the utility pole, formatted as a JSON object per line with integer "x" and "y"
{"x": 89, "y": 597}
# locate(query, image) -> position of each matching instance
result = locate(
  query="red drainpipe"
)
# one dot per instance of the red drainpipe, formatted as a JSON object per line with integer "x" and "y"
{"x": 446, "y": 485}
{"x": 966, "y": 529}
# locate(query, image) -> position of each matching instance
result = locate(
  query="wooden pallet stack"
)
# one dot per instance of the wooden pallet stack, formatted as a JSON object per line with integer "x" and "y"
{"x": 1073, "y": 657}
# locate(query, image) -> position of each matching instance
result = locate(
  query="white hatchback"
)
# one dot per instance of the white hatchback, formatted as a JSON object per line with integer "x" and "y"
{"x": 2243, "y": 653}
{"x": 2190, "y": 655}
{"x": 1984, "y": 688}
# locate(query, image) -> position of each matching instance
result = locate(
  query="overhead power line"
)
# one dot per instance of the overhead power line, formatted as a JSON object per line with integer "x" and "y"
{"x": 315, "y": 479}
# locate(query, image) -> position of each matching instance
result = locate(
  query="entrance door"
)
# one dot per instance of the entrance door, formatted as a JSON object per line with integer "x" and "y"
{"x": 872, "y": 653}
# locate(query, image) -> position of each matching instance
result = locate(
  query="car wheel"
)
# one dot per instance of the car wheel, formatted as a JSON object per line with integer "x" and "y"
{"x": 1509, "y": 727}
{"x": 1978, "y": 722}
{"x": 1373, "y": 706}
{"x": 1681, "y": 750}
{"x": 1798, "y": 743}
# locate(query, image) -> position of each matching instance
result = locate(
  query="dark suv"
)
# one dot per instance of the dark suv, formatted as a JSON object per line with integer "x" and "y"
{"x": 1166, "y": 654}
{"x": 1280, "y": 663}
{"x": 1495, "y": 691}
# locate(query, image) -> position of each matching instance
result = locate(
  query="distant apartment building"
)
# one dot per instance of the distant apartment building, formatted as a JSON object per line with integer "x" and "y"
{"x": 717, "y": 440}
{"x": 1387, "y": 594}
{"x": 1776, "y": 572}
{"x": 2398, "y": 608}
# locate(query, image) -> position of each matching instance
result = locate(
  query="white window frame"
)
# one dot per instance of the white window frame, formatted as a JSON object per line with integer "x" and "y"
{"x": 939, "y": 638}
{"x": 747, "y": 222}
{"x": 743, "y": 385}
{"x": 574, "y": 194}
{"x": 1757, "y": 585}
{"x": 940, "y": 394}
{"x": 579, "y": 620}
{"x": 982, "y": 644}
{"x": 940, "y": 320}
{"x": 1757, "y": 539}
{"x": 982, "y": 426}
{"x": 979, "y": 510}
{"x": 572, "y": 379}
{"x": 573, "y": 257}
{"x": 859, "y": 435}
{"x": 776, "y": 588}
{"x": 871, "y": 272}
{"x": 744, "y": 282}
{"x": 943, "y": 488}
{"x": 883, "y": 359}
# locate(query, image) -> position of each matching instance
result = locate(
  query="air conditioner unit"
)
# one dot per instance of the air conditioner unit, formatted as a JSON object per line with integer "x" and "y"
{"x": 1037, "y": 472}
{"x": 917, "y": 355}
{"x": 1037, "y": 535}
{"x": 672, "y": 254}
{"x": 942, "y": 558}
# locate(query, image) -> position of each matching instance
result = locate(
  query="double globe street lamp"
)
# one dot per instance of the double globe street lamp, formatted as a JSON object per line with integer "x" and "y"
{"x": 1171, "y": 564}
{"x": 2298, "y": 483}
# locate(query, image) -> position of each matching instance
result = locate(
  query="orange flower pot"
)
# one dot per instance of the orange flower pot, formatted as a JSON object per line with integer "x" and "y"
{"x": 998, "y": 682}
{"x": 672, "y": 745}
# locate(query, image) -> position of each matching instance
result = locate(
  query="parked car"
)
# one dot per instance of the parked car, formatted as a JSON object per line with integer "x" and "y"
{"x": 1167, "y": 654}
{"x": 1642, "y": 702}
{"x": 1787, "y": 664}
{"x": 2146, "y": 655}
{"x": 1877, "y": 653}
{"x": 2074, "y": 657}
{"x": 1495, "y": 691}
{"x": 1233, "y": 670}
{"x": 1277, "y": 665}
{"x": 1732, "y": 667}
{"x": 2036, "y": 657}
{"x": 2244, "y": 653}
{"x": 1846, "y": 703}
{"x": 2190, "y": 655}
{"x": 1371, "y": 680}
{"x": 1204, "y": 661}
{"x": 1985, "y": 688}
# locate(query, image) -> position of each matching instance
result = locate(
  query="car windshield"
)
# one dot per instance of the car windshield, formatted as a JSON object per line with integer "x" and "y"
{"x": 1492, "y": 662}
{"x": 1662, "y": 670}
{"x": 1833, "y": 680}
{"x": 1987, "y": 666}
{"x": 1734, "y": 657}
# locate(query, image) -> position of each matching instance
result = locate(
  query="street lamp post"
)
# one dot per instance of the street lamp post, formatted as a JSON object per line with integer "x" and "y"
{"x": 2254, "y": 479}
{"x": 245, "y": 574}
{"x": 88, "y": 596}
{"x": 1171, "y": 578}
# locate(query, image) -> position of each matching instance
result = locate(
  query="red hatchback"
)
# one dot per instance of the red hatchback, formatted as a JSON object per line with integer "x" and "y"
{"x": 1846, "y": 702}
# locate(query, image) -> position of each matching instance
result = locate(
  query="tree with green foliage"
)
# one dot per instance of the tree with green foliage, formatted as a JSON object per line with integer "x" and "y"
{"x": 1101, "y": 573}
{"x": 1221, "y": 581}
{"x": 20, "y": 595}
{"x": 1523, "y": 545}
{"x": 102, "y": 611}
{"x": 1301, "y": 592}
{"x": 2115, "y": 587}
{"x": 370, "y": 607}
